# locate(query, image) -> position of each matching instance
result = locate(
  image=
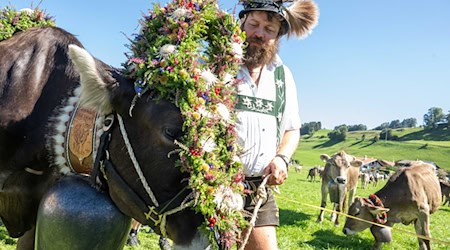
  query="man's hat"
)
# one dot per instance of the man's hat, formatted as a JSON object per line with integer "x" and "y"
{"x": 299, "y": 18}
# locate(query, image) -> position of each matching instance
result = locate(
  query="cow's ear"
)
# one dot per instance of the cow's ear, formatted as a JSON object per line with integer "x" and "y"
{"x": 356, "y": 163}
{"x": 324, "y": 157}
{"x": 377, "y": 210}
{"x": 94, "y": 80}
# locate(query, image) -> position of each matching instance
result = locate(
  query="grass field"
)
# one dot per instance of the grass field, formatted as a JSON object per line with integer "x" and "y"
{"x": 299, "y": 230}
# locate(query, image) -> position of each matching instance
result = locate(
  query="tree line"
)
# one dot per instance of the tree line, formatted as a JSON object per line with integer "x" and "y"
{"x": 435, "y": 118}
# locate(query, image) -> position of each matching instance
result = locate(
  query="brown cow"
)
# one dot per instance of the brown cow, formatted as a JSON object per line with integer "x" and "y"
{"x": 313, "y": 172}
{"x": 410, "y": 195}
{"x": 365, "y": 179}
{"x": 339, "y": 176}
{"x": 445, "y": 188}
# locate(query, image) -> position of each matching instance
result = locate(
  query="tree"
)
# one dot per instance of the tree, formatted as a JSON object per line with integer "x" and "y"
{"x": 382, "y": 126}
{"x": 409, "y": 123}
{"x": 339, "y": 133}
{"x": 395, "y": 124}
{"x": 359, "y": 127}
{"x": 433, "y": 117}
{"x": 310, "y": 128}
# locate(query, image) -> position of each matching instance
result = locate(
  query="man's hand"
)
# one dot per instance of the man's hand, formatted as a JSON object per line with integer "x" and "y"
{"x": 278, "y": 170}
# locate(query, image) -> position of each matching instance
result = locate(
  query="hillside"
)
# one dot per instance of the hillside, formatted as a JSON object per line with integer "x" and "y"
{"x": 412, "y": 144}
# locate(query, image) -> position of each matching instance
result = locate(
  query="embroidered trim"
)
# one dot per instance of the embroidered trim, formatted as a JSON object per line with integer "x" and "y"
{"x": 374, "y": 201}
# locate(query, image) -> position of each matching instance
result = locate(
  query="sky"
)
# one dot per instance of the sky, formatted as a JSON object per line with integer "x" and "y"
{"x": 367, "y": 62}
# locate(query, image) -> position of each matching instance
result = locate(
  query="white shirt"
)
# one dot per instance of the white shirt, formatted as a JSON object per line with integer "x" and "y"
{"x": 257, "y": 132}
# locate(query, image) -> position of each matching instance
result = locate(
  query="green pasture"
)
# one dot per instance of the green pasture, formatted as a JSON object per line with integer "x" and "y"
{"x": 299, "y": 229}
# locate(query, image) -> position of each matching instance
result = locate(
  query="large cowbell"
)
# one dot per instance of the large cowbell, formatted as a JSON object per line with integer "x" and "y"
{"x": 74, "y": 215}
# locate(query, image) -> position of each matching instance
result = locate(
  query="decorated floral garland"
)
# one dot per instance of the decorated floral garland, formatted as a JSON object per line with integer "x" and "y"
{"x": 12, "y": 21}
{"x": 189, "y": 52}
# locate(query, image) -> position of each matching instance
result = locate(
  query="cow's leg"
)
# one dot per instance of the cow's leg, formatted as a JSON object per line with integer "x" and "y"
{"x": 422, "y": 226}
{"x": 351, "y": 197}
{"x": 323, "y": 202}
{"x": 26, "y": 242}
{"x": 334, "y": 216}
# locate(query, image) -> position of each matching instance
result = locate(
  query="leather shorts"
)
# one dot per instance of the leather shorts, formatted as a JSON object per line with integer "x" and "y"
{"x": 268, "y": 213}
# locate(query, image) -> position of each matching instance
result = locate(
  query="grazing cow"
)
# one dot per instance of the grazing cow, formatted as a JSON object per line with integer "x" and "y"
{"x": 339, "y": 177}
{"x": 365, "y": 179}
{"x": 410, "y": 196}
{"x": 313, "y": 172}
{"x": 296, "y": 164}
{"x": 445, "y": 189}
{"x": 39, "y": 91}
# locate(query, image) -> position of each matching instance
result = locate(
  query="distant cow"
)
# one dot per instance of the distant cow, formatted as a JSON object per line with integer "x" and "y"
{"x": 410, "y": 195}
{"x": 296, "y": 164}
{"x": 339, "y": 177}
{"x": 445, "y": 188}
{"x": 313, "y": 172}
{"x": 365, "y": 178}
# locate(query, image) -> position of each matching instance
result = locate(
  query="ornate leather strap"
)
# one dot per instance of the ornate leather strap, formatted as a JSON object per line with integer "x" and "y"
{"x": 80, "y": 140}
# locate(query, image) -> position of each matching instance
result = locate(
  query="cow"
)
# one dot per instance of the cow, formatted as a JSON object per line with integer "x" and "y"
{"x": 445, "y": 189}
{"x": 296, "y": 164}
{"x": 365, "y": 179}
{"x": 312, "y": 173}
{"x": 339, "y": 177}
{"x": 40, "y": 87}
{"x": 409, "y": 196}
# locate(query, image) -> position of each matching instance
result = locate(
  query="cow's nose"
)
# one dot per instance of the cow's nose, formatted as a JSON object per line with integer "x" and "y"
{"x": 344, "y": 230}
{"x": 341, "y": 180}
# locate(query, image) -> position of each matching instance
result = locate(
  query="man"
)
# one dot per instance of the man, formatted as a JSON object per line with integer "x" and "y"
{"x": 268, "y": 125}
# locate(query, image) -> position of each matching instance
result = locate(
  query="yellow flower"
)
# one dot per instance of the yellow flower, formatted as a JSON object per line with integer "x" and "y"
{"x": 164, "y": 79}
{"x": 205, "y": 167}
{"x": 196, "y": 115}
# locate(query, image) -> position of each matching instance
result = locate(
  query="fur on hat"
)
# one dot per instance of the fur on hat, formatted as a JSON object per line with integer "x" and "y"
{"x": 301, "y": 16}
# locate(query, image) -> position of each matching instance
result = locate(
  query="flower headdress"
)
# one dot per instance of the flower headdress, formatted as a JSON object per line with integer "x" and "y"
{"x": 189, "y": 52}
{"x": 12, "y": 21}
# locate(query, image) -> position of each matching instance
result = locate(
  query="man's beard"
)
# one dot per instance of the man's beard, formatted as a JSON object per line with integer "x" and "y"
{"x": 260, "y": 55}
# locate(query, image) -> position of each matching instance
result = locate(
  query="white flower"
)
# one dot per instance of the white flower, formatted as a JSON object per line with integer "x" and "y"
{"x": 27, "y": 11}
{"x": 228, "y": 78}
{"x": 223, "y": 112}
{"x": 209, "y": 77}
{"x": 204, "y": 112}
{"x": 237, "y": 50}
{"x": 208, "y": 145}
{"x": 227, "y": 200}
{"x": 179, "y": 13}
{"x": 167, "y": 50}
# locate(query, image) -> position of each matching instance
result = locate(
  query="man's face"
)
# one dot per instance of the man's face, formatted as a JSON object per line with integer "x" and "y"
{"x": 262, "y": 38}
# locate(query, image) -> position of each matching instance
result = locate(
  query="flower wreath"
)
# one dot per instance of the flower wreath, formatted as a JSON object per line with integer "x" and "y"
{"x": 189, "y": 52}
{"x": 12, "y": 21}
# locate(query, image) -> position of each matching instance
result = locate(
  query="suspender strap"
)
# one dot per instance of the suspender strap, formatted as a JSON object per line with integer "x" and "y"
{"x": 281, "y": 99}
{"x": 274, "y": 108}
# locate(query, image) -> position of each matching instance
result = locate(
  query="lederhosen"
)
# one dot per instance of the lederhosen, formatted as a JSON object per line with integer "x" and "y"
{"x": 268, "y": 212}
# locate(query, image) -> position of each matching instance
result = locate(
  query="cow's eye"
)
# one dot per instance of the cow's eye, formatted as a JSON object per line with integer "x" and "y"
{"x": 356, "y": 212}
{"x": 171, "y": 133}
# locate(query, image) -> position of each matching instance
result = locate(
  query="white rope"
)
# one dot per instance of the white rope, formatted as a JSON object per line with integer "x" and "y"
{"x": 170, "y": 212}
{"x": 135, "y": 162}
{"x": 261, "y": 195}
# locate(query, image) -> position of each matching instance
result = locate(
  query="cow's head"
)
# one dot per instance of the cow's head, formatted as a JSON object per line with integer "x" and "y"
{"x": 364, "y": 211}
{"x": 151, "y": 127}
{"x": 337, "y": 170}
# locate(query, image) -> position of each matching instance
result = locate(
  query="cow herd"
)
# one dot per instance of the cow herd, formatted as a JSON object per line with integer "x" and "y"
{"x": 410, "y": 195}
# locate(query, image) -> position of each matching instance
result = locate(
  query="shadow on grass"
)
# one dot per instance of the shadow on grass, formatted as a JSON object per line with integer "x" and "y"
{"x": 356, "y": 143}
{"x": 324, "y": 239}
{"x": 368, "y": 145}
{"x": 446, "y": 209}
{"x": 326, "y": 144}
{"x": 290, "y": 217}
